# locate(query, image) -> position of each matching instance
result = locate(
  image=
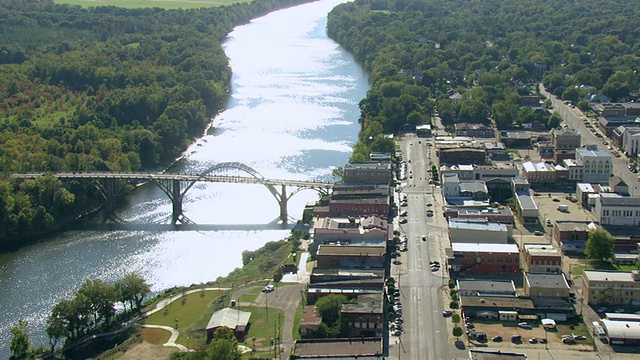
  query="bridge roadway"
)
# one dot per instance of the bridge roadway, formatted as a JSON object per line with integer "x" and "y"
{"x": 175, "y": 186}
{"x": 143, "y": 176}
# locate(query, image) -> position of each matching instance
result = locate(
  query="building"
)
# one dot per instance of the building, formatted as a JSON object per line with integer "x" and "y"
{"x": 617, "y": 185}
{"x": 361, "y": 348}
{"x": 351, "y": 256}
{"x": 574, "y": 170}
{"x": 615, "y": 210}
{"x": 611, "y": 287}
{"x": 475, "y": 306}
{"x": 370, "y": 230}
{"x": 622, "y": 332}
{"x": 365, "y": 317}
{"x": 631, "y": 141}
{"x": 486, "y": 288}
{"x": 571, "y": 236}
{"x": 492, "y": 214}
{"x": 539, "y": 173}
{"x": 310, "y": 321}
{"x": 231, "y": 318}
{"x": 519, "y": 184}
{"x": 478, "y": 231}
{"x": 474, "y": 130}
{"x": 527, "y": 207}
{"x": 610, "y": 109}
{"x": 565, "y": 139}
{"x": 596, "y": 164}
{"x": 496, "y": 151}
{"x": 546, "y": 285}
{"x": 468, "y": 189}
{"x": 607, "y": 124}
{"x": 476, "y": 354}
{"x": 355, "y": 200}
{"x": 458, "y": 155}
{"x": 515, "y": 139}
{"x": 483, "y": 257}
{"x": 368, "y": 173}
{"x": 542, "y": 259}
{"x": 560, "y": 155}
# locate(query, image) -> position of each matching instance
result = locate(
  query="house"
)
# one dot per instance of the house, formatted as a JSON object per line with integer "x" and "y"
{"x": 361, "y": 348}
{"x": 231, "y": 318}
{"x": 478, "y": 231}
{"x": 484, "y": 257}
{"x": 542, "y": 258}
{"x": 611, "y": 287}
{"x": 365, "y": 317}
{"x": 546, "y": 285}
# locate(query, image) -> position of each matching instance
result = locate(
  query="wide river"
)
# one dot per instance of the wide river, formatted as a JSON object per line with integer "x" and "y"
{"x": 292, "y": 115}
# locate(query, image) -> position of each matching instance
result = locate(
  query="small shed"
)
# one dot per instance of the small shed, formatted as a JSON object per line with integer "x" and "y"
{"x": 508, "y": 315}
{"x": 232, "y": 318}
{"x": 548, "y": 323}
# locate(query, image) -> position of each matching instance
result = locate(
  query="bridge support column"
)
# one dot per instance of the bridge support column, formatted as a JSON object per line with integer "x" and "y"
{"x": 111, "y": 190}
{"x": 284, "y": 216}
{"x": 176, "y": 201}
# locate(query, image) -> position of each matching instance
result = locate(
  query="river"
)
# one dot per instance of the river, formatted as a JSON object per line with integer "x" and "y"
{"x": 292, "y": 114}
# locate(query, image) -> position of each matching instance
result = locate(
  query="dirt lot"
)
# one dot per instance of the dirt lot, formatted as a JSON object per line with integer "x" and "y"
{"x": 146, "y": 351}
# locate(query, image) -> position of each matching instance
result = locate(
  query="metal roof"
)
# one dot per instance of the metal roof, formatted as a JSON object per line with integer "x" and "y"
{"x": 229, "y": 317}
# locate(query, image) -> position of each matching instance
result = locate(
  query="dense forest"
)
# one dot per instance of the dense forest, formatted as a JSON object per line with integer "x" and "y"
{"x": 472, "y": 60}
{"x": 102, "y": 88}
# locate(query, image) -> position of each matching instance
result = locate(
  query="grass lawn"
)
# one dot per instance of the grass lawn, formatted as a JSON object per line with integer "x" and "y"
{"x": 155, "y": 336}
{"x": 600, "y": 265}
{"x": 296, "y": 322}
{"x": 579, "y": 328}
{"x": 192, "y": 313}
{"x": 165, "y": 4}
{"x": 262, "y": 327}
{"x": 250, "y": 298}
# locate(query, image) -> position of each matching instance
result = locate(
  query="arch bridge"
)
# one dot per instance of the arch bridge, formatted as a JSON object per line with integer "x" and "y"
{"x": 175, "y": 186}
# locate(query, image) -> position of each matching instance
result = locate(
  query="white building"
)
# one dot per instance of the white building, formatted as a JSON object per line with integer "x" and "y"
{"x": 527, "y": 207}
{"x": 631, "y": 140}
{"x": 539, "y": 173}
{"x": 596, "y": 164}
{"x": 478, "y": 231}
{"x": 613, "y": 209}
{"x": 575, "y": 169}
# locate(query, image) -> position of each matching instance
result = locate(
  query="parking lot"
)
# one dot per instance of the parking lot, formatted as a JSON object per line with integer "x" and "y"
{"x": 542, "y": 338}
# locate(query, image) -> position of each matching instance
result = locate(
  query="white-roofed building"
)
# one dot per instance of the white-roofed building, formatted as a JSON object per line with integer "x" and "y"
{"x": 527, "y": 207}
{"x": 622, "y": 332}
{"x": 617, "y": 210}
{"x": 483, "y": 257}
{"x": 596, "y": 164}
{"x": 478, "y": 231}
{"x": 539, "y": 173}
{"x": 231, "y": 318}
{"x": 611, "y": 287}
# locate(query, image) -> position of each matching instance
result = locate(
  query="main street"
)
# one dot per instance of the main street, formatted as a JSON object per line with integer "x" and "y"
{"x": 425, "y": 333}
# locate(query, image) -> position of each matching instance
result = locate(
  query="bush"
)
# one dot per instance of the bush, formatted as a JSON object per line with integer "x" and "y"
{"x": 454, "y": 297}
{"x": 455, "y": 318}
{"x": 452, "y": 284}
{"x": 453, "y": 304}
{"x": 453, "y": 292}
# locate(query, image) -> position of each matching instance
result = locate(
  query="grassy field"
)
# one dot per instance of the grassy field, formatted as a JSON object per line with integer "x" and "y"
{"x": 165, "y": 4}
{"x": 155, "y": 336}
{"x": 244, "y": 298}
{"x": 598, "y": 265}
{"x": 262, "y": 326}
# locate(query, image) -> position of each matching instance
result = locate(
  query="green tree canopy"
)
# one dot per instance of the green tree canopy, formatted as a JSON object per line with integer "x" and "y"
{"x": 329, "y": 307}
{"x": 599, "y": 245}
{"x": 21, "y": 347}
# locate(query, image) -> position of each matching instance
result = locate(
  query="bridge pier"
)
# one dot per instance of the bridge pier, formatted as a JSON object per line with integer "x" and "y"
{"x": 284, "y": 215}
{"x": 176, "y": 201}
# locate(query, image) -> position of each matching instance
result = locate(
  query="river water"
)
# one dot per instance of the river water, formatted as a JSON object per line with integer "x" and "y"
{"x": 292, "y": 115}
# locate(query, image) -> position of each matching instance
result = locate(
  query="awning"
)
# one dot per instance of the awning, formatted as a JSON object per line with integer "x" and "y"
{"x": 528, "y": 317}
{"x": 548, "y": 322}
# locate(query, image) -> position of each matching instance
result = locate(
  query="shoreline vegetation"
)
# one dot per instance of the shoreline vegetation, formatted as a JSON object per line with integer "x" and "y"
{"x": 102, "y": 89}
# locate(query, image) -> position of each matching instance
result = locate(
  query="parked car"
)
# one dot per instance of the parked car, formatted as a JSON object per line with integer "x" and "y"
{"x": 447, "y": 313}
{"x": 516, "y": 338}
{"x": 496, "y": 338}
{"x": 525, "y": 325}
{"x": 269, "y": 288}
{"x": 533, "y": 341}
{"x": 568, "y": 340}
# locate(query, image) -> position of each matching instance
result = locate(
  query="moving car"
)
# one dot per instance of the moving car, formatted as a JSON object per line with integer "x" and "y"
{"x": 447, "y": 313}
{"x": 269, "y": 288}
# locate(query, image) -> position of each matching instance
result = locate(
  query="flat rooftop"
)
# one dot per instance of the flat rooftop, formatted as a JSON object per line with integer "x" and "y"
{"x": 314, "y": 348}
{"x": 485, "y": 248}
{"x": 594, "y": 275}
{"x": 497, "y": 302}
{"x": 348, "y": 250}
{"x": 547, "y": 280}
{"x": 574, "y": 225}
{"x": 486, "y": 286}
{"x": 474, "y": 225}
{"x": 541, "y": 250}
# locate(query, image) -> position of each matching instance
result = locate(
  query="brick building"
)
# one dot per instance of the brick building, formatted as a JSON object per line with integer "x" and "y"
{"x": 611, "y": 287}
{"x": 351, "y": 256}
{"x": 368, "y": 173}
{"x": 489, "y": 258}
{"x": 542, "y": 259}
{"x": 365, "y": 317}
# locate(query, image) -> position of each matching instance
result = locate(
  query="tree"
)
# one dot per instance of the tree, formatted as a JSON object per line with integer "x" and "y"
{"x": 56, "y": 329}
{"x": 224, "y": 346}
{"x": 457, "y": 331}
{"x": 20, "y": 346}
{"x": 101, "y": 298}
{"x": 329, "y": 308}
{"x": 599, "y": 245}
{"x": 132, "y": 288}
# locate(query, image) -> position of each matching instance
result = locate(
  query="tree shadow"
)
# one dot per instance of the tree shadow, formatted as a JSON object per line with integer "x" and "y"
{"x": 460, "y": 345}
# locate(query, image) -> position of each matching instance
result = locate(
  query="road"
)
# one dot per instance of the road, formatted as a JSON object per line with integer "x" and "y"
{"x": 425, "y": 335}
{"x": 572, "y": 117}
